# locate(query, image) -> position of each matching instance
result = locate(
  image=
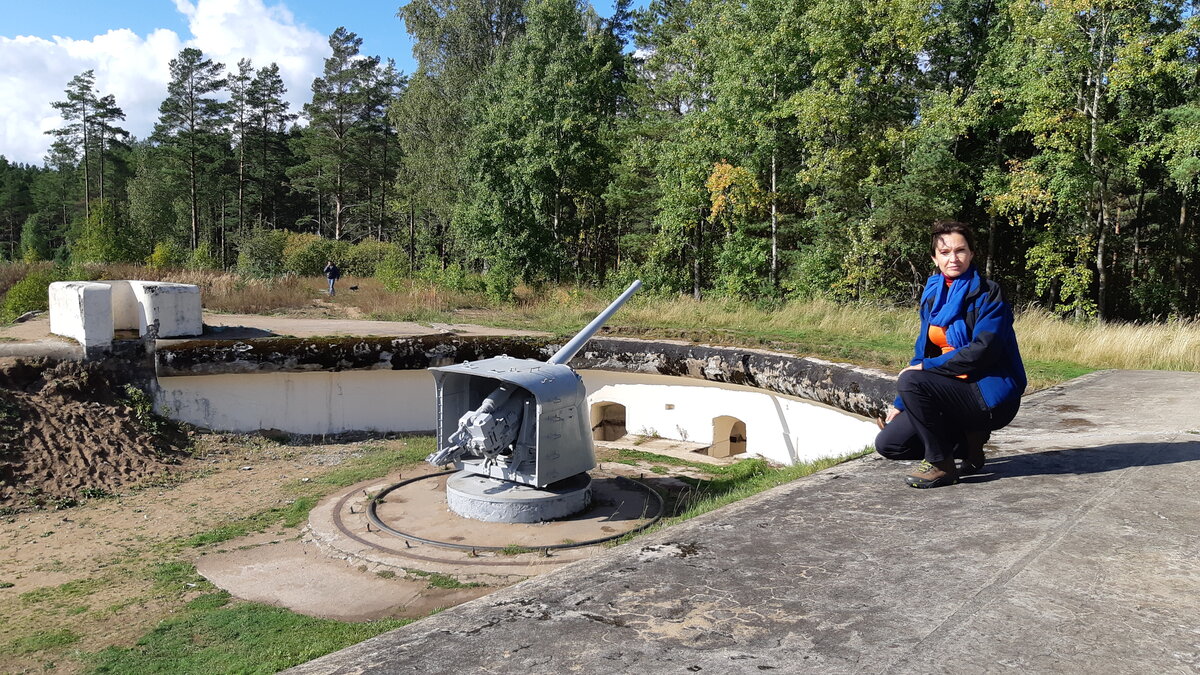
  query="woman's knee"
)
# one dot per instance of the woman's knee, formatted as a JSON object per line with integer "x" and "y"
{"x": 893, "y": 445}
{"x": 909, "y": 380}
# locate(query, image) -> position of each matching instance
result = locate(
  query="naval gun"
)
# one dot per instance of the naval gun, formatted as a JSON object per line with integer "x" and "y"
{"x": 517, "y": 421}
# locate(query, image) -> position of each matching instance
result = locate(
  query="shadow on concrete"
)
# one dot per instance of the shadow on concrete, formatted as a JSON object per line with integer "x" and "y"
{"x": 1087, "y": 460}
{"x": 235, "y": 332}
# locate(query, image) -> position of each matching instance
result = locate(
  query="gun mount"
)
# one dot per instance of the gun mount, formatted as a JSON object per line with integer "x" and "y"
{"x": 520, "y": 422}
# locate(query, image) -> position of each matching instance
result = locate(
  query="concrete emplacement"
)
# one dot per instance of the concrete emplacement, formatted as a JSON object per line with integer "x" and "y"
{"x": 484, "y": 498}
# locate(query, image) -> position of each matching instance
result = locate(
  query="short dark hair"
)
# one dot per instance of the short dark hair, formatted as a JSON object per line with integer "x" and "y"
{"x": 942, "y": 228}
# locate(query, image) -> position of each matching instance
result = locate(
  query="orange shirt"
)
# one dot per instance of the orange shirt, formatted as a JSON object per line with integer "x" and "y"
{"x": 937, "y": 335}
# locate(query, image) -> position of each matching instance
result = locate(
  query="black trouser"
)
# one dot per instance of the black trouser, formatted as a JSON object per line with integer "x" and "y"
{"x": 939, "y": 412}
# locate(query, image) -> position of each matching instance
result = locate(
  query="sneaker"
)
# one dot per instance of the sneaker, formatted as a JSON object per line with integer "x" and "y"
{"x": 933, "y": 474}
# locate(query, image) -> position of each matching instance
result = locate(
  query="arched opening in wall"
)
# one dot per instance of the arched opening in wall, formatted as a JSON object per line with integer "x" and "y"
{"x": 729, "y": 437}
{"x": 608, "y": 421}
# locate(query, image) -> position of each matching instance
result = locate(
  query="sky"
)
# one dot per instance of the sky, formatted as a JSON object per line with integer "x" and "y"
{"x": 129, "y": 44}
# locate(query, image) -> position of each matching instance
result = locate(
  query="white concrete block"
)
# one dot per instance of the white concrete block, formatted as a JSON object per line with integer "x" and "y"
{"x": 82, "y": 311}
{"x": 174, "y": 308}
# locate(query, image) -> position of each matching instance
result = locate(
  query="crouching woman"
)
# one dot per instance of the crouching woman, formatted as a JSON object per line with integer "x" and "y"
{"x": 966, "y": 377}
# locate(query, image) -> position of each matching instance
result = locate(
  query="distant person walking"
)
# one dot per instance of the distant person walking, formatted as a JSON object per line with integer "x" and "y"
{"x": 332, "y": 273}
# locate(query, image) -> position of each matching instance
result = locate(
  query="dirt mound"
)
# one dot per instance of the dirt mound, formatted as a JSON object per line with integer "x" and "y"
{"x": 70, "y": 430}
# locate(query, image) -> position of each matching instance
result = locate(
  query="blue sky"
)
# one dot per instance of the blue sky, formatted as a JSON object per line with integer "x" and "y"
{"x": 374, "y": 21}
{"x": 128, "y": 43}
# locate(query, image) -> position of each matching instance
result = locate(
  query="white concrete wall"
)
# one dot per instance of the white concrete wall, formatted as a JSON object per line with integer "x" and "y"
{"x": 780, "y": 428}
{"x": 302, "y": 403}
{"x": 83, "y": 311}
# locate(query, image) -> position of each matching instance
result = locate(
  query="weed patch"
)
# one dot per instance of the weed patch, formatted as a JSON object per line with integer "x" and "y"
{"x": 211, "y": 635}
{"x": 58, "y": 594}
{"x": 42, "y": 641}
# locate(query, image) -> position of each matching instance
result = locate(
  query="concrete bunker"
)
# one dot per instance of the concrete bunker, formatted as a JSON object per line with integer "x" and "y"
{"x": 608, "y": 421}
{"x": 793, "y": 409}
{"x": 95, "y": 312}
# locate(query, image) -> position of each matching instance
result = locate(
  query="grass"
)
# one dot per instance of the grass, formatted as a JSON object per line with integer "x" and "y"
{"x": 375, "y": 461}
{"x": 724, "y": 484}
{"x": 744, "y": 479}
{"x": 867, "y": 334}
{"x": 211, "y": 634}
{"x": 42, "y": 641}
{"x": 57, "y": 595}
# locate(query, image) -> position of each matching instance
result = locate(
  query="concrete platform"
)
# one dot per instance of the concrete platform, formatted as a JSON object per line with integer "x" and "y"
{"x": 1076, "y": 550}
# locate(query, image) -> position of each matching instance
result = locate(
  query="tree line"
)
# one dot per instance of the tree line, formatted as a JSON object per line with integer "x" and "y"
{"x": 755, "y": 149}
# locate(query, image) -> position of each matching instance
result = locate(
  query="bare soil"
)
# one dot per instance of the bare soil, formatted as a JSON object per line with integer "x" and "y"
{"x": 68, "y": 430}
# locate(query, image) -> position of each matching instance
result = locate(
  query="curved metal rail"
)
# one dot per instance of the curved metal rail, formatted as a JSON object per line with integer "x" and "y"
{"x": 374, "y": 517}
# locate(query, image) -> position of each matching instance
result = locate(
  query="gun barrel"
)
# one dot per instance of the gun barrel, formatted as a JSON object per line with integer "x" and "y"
{"x": 571, "y": 348}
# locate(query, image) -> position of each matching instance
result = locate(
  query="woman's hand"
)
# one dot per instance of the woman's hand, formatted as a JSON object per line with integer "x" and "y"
{"x": 916, "y": 367}
{"x": 891, "y": 414}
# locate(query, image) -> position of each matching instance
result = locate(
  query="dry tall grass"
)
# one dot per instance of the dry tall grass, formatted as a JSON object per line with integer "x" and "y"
{"x": 416, "y": 301}
{"x": 1159, "y": 346}
{"x": 225, "y": 291}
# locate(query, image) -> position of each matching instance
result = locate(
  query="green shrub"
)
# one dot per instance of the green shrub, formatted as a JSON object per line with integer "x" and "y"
{"x": 744, "y": 266}
{"x": 202, "y": 258}
{"x": 32, "y": 293}
{"x": 35, "y": 239}
{"x": 105, "y": 237}
{"x": 428, "y": 270}
{"x": 167, "y": 254}
{"x": 261, "y": 254}
{"x": 501, "y": 281}
{"x": 305, "y": 255}
{"x": 363, "y": 259}
{"x": 393, "y": 270}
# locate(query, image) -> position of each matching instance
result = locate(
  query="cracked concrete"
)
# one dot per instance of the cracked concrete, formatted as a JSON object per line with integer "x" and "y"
{"x": 1074, "y": 550}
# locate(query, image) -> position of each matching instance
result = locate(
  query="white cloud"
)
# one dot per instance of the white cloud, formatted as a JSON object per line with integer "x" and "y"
{"x": 34, "y": 71}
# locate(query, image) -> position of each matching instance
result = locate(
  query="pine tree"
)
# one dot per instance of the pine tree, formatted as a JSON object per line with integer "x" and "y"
{"x": 334, "y": 116}
{"x": 269, "y": 120}
{"x": 191, "y": 125}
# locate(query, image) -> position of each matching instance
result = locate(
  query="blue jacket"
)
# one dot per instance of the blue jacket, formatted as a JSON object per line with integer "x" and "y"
{"x": 992, "y": 361}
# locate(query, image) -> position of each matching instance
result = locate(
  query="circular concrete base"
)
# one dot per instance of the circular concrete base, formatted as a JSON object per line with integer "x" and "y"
{"x": 498, "y": 501}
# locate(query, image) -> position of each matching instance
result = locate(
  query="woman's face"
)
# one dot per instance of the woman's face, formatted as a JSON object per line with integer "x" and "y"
{"x": 952, "y": 255}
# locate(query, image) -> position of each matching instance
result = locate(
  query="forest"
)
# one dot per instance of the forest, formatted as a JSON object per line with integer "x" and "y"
{"x": 754, "y": 149}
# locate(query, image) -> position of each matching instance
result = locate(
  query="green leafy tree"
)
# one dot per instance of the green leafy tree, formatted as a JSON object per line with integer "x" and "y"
{"x": 540, "y": 163}
{"x": 455, "y": 43}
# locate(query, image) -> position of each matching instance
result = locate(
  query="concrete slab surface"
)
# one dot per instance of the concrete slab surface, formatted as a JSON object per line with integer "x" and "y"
{"x": 1075, "y": 550}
